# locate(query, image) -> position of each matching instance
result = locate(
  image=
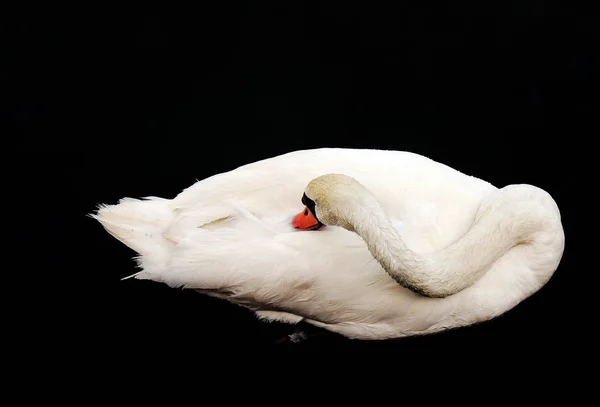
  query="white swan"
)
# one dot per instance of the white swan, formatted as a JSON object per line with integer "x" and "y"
{"x": 411, "y": 246}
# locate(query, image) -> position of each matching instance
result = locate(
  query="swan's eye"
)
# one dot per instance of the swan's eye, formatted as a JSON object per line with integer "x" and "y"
{"x": 306, "y": 212}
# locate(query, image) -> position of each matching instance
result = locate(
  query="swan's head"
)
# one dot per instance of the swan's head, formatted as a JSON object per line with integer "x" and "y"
{"x": 330, "y": 199}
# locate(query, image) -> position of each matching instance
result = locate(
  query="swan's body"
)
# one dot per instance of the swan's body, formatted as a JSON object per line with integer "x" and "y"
{"x": 481, "y": 249}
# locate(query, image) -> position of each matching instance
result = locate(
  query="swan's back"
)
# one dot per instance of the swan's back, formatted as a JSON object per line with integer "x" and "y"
{"x": 230, "y": 236}
{"x": 411, "y": 187}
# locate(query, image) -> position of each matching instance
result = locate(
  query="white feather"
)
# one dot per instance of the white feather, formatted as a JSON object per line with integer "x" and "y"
{"x": 230, "y": 236}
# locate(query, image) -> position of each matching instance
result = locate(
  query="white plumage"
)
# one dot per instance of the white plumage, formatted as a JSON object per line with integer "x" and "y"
{"x": 230, "y": 236}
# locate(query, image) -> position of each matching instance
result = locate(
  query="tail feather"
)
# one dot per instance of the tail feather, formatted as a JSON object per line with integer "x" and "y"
{"x": 139, "y": 224}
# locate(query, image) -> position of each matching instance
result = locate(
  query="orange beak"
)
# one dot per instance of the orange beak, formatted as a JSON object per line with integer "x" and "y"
{"x": 305, "y": 220}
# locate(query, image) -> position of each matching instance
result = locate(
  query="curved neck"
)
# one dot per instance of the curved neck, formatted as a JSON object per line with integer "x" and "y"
{"x": 441, "y": 273}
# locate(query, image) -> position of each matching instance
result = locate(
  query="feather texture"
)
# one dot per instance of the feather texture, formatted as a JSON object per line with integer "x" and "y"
{"x": 230, "y": 236}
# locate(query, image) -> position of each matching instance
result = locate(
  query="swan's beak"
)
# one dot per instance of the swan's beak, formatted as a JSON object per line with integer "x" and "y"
{"x": 305, "y": 220}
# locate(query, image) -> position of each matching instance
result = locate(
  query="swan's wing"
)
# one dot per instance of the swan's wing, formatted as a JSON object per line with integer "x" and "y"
{"x": 434, "y": 202}
{"x": 264, "y": 184}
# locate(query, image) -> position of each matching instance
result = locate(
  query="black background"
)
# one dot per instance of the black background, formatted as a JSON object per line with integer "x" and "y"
{"x": 116, "y": 103}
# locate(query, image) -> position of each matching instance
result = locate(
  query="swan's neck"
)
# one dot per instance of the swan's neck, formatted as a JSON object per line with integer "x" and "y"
{"x": 445, "y": 272}
{"x": 385, "y": 244}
